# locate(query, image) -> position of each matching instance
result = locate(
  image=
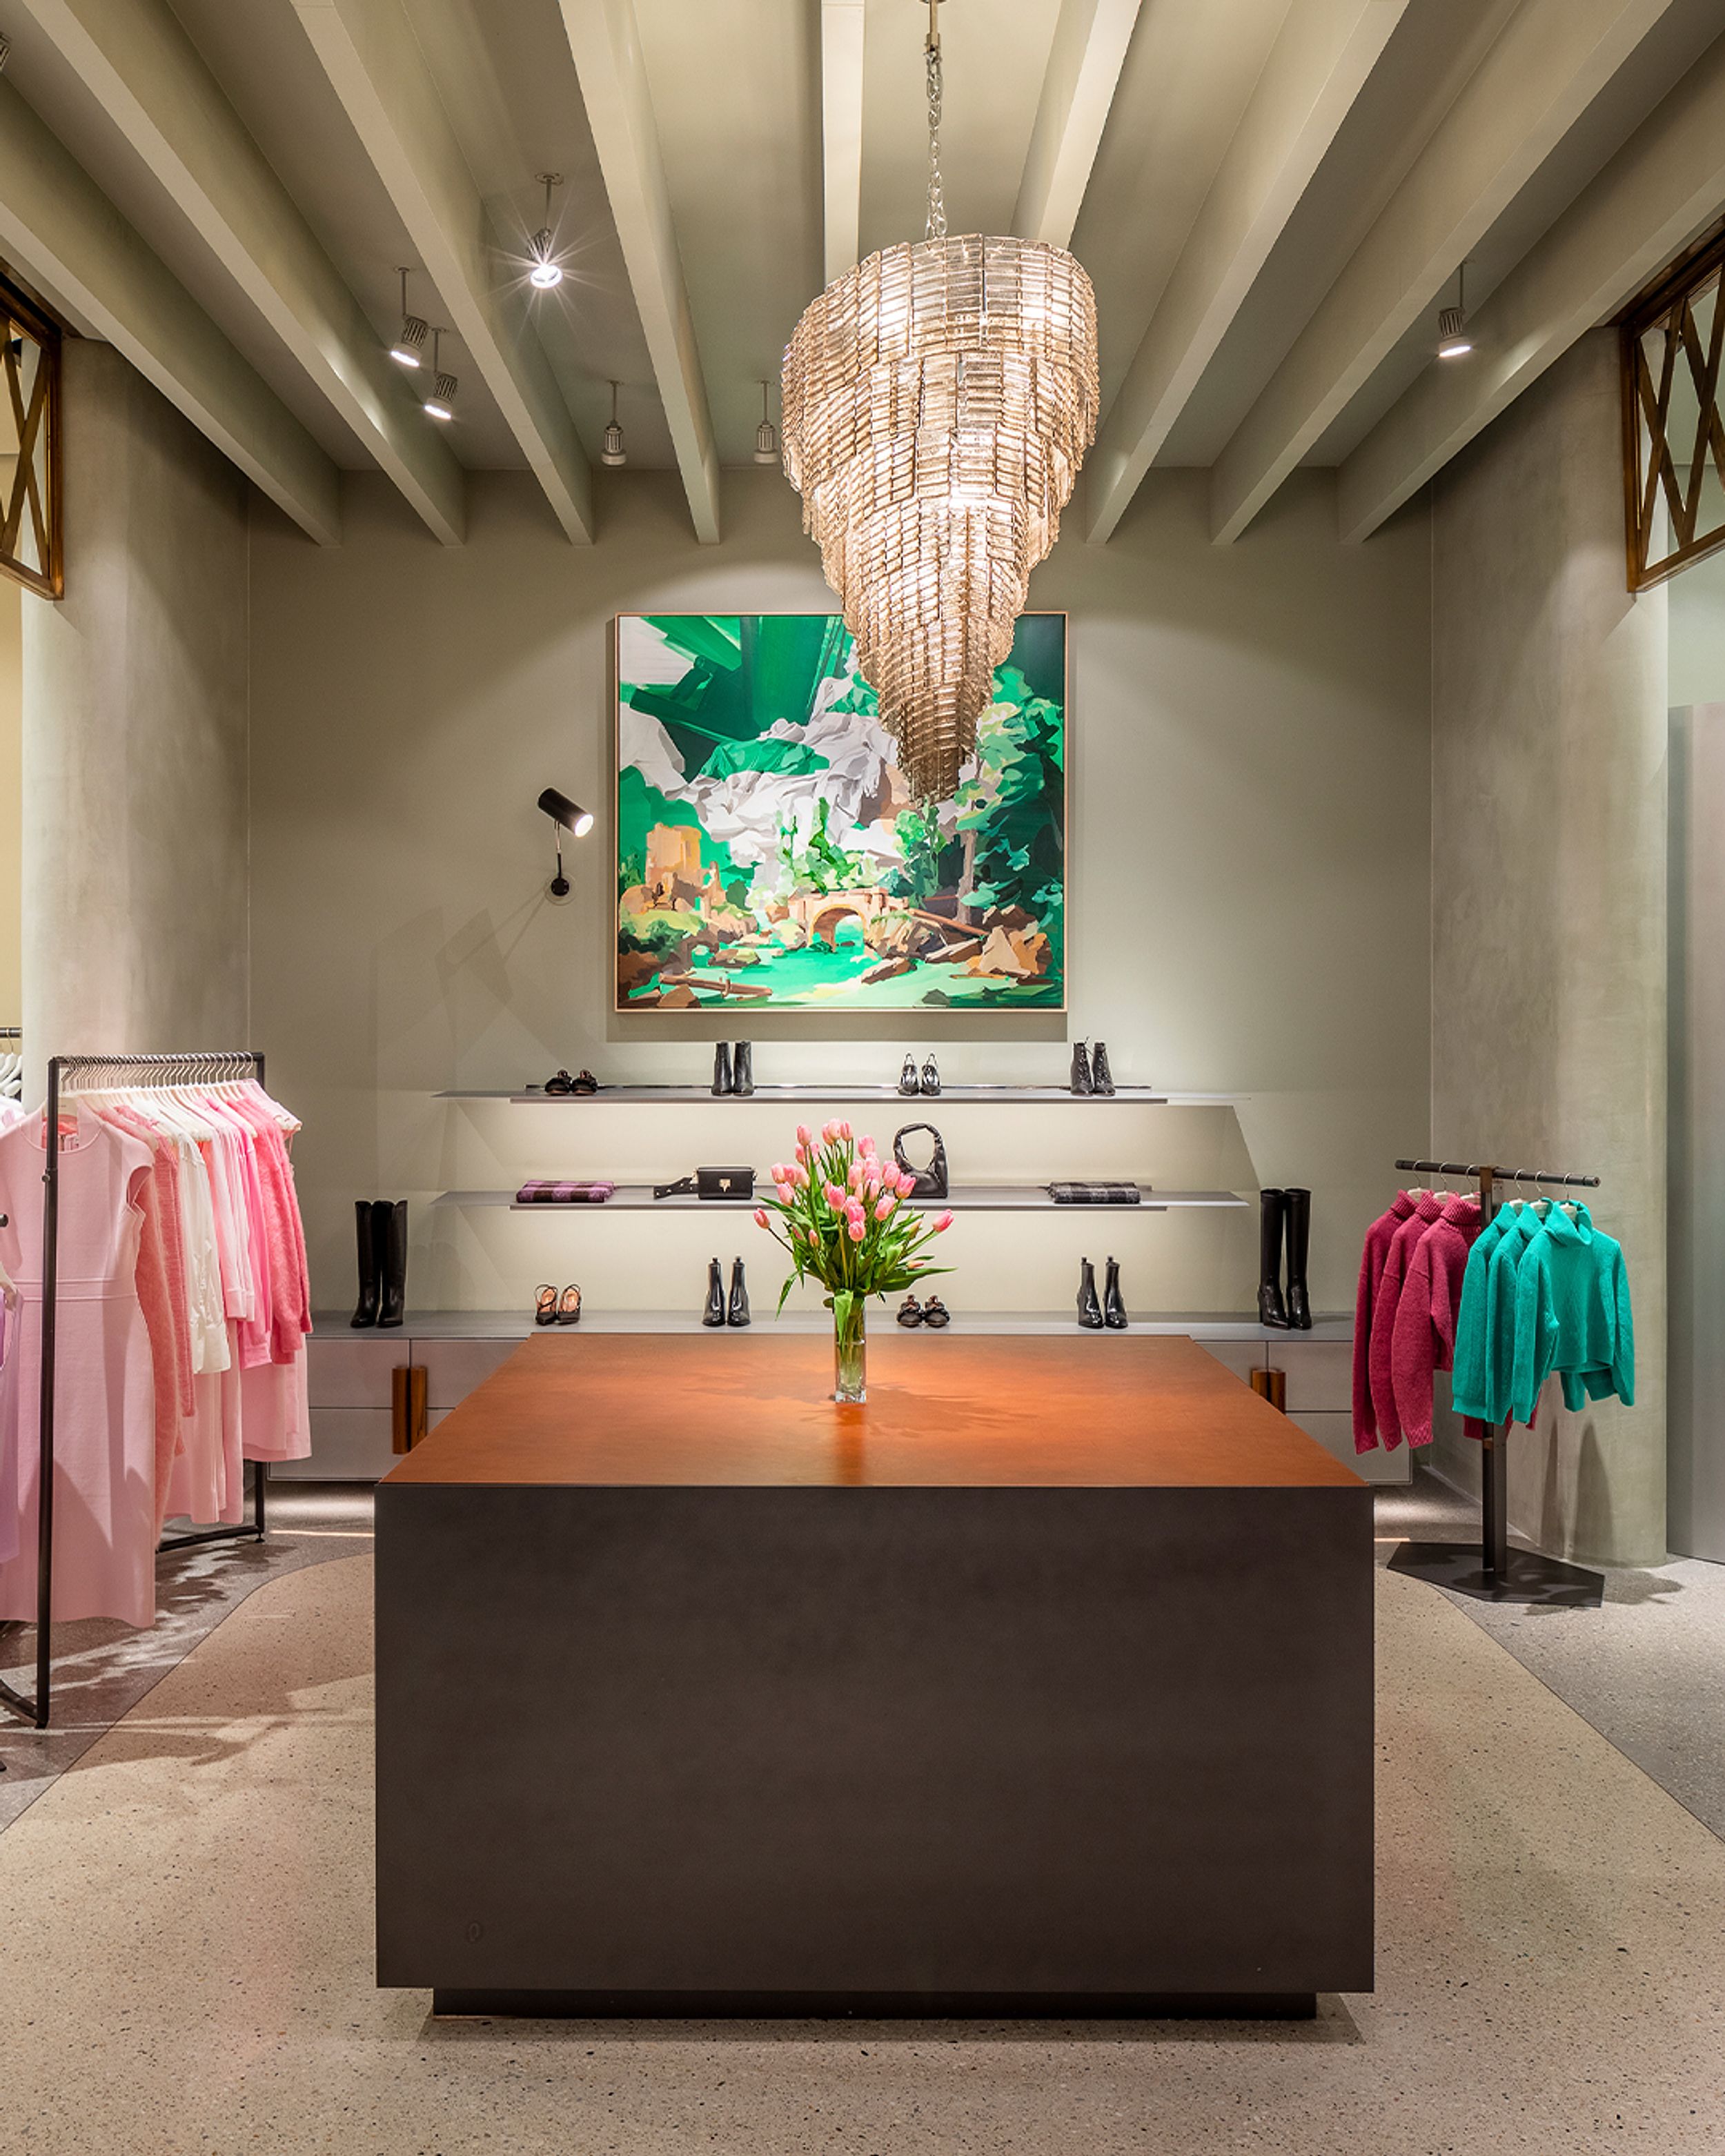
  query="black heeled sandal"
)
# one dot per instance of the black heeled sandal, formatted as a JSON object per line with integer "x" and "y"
{"x": 545, "y": 1303}
{"x": 569, "y": 1313}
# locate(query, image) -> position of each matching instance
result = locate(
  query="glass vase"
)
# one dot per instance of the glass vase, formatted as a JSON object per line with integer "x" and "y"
{"x": 850, "y": 1361}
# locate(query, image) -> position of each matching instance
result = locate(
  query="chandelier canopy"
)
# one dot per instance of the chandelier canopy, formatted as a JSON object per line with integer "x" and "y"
{"x": 938, "y": 400}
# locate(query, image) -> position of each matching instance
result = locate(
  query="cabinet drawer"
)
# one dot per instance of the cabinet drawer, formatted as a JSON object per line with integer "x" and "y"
{"x": 1242, "y": 1357}
{"x": 1320, "y": 1375}
{"x": 454, "y": 1367}
{"x": 351, "y": 1373}
{"x": 1335, "y": 1433}
{"x": 349, "y": 1444}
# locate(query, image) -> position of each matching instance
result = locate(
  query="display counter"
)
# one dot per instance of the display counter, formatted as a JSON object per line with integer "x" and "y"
{"x": 1042, "y": 1683}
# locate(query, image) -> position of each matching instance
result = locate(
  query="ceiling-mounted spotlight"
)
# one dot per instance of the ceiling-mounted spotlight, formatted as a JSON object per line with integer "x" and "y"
{"x": 565, "y": 816}
{"x": 1454, "y": 341}
{"x": 544, "y": 272}
{"x": 441, "y": 402}
{"x": 612, "y": 450}
{"x": 409, "y": 346}
{"x": 766, "y": 436}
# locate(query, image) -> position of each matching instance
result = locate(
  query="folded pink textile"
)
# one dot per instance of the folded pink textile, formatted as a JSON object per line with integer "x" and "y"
{"x": 539, "y": 1193}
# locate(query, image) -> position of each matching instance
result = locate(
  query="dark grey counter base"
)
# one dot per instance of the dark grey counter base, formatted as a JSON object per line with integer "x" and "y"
{"x": 879, "y": 2005}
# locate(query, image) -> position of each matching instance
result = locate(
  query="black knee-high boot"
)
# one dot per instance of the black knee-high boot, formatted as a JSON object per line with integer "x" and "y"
{"x": 371, "y": 1277}
{"x": 1272, "y": 1212}
{"x": 1299, "y": 1247}
{"x": 390, "y": 1228}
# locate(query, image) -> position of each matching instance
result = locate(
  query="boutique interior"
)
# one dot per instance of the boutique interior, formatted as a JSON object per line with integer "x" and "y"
{"x": 861, "y": 1073}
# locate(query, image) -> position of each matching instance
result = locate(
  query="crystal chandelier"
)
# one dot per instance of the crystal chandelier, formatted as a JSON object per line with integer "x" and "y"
{"x": 938, "y": 400}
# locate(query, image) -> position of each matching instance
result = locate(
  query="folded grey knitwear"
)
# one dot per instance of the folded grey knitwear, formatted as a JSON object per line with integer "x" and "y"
{"x": 1096, "y": 1193}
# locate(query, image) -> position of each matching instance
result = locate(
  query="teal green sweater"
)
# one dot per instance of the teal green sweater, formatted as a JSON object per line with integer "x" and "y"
{"x": 1485, "y": 1331}
{"x": 1572, "y": 1315}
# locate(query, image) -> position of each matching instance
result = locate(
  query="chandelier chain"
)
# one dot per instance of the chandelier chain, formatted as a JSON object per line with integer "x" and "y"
{"x": 936, "y": 199}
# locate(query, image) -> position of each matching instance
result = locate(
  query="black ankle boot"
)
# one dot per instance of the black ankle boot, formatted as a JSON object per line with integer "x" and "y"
{"x": 371, "y": 1271}
{"x": 743, "y": 1068}
{"x": 714, "y": 1314}
{"x": 1299, "y": 1248}
{"x": 389, "y": 1229}
{"x": 1272, "y": 1211}
{"x": 1090, "y": 1311}
{"x": 1113, "y": 1304}
{"x": 1102, "y": 1078}
{"x": 721, "y": 1072}
{"x": 1081, "y": 1080}
{"x": 738, "y": 1311}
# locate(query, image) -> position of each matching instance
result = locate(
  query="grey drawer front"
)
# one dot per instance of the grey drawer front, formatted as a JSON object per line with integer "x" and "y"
{"x": 1242, "y": 1357}
{"x": 349, "y": 1444}
{"x": 1335, "y": 1433}
{"x": 454, "y": 1367}
{"x": 353, "y": 1372}
{"x": 1320, "y": 1375}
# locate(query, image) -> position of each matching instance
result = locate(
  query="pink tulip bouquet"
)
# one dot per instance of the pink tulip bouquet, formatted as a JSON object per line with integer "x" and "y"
{"x": 843, "y": 1214}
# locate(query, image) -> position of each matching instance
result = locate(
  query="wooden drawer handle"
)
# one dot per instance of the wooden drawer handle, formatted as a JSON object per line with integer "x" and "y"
{"x": 1272, "y": 1385}
{"x": 407, "y": 1406}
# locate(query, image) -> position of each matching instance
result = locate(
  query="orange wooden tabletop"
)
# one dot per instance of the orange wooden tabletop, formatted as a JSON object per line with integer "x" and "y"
{"x": 619, "y": 1410}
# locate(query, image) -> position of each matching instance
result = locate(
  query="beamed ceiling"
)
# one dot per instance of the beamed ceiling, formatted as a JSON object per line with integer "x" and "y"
{"x": 1272, "y": 197}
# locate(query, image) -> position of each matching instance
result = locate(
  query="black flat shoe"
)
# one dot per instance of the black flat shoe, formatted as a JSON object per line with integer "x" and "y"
{"x": 1090, "y": 1311}
{"x": 930, "y": 1077}
{"x": 1113, "y": 1303}
{"x": 714, "y": 1314}
{"x": 1081, "y": 1080}
{"x": 585, "y": 1083}
{"x": 737, "y": 1311}
{"x": 909, "y": 1313}
{"x": 936, "y": 1313}
{"x": 569, "y": 1305}
{"x": 545, "y": 1303}
{"x": 563, "y": 1083}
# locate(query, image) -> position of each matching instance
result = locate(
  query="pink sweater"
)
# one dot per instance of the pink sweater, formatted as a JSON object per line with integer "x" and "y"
{"x": 1422, "y": 1338}
{"x": 1401, "y": 1256}
{"x": 1378, "y": 1237}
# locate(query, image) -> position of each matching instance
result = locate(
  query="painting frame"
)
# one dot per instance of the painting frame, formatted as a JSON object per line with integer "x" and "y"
{"x": 626, "y": 1003}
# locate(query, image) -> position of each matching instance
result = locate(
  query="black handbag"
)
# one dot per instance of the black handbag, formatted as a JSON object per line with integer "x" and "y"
{"x": 725, "y": 1182}
{"x": 931, "y": 1182}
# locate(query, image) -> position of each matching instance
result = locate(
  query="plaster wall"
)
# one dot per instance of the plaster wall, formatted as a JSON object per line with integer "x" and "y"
{"x": 1248, "y": 896}
{"x": 1548, "y": 946}
{"x": 134, "y": 749}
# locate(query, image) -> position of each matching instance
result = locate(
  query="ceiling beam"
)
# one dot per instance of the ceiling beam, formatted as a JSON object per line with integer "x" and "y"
{"x": 1664, "y": 185}
{"x": 63, "y": 234}
{"x": 368, "y": 51}
{"x": 1550, "y": 62}
{"x": 1316, "y": 70}
{"x": 146, "y": 74}
{"x": 1084, "y": 63}
{"x": 841, "y": 115}
{"x": 606, "y": 46}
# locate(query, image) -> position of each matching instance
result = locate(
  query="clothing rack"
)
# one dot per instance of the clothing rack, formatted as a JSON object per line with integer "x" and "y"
{"x": 207, "y": 1066}
{"x": 1494, "y": 1571}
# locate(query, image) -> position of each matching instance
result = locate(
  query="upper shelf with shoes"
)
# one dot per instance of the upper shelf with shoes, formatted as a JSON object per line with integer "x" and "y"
{"x": 1006, "y": 1097}
{"x": 963, "y": 1198}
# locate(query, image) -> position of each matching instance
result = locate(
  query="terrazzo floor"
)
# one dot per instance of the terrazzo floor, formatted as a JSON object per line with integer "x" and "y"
{"x": 185, "y": 1960}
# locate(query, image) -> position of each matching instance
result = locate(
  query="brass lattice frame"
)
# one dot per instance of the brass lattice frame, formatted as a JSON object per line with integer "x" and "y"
{"x": 1658, "y": 467}
{"x": 31, "y": 506}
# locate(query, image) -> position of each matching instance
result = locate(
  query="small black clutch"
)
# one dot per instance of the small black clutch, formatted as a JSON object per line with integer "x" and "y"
{"x": 725, "y": 1182}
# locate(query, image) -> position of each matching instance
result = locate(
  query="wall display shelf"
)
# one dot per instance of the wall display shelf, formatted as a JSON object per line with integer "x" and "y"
{"x": 1000, "y": 1096}
{"x": 964, "y": 1198}
{"x": 1203, "y": 1325}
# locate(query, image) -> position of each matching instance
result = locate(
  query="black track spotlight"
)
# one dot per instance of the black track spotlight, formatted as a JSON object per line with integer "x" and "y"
{"x": 565, "y": 815}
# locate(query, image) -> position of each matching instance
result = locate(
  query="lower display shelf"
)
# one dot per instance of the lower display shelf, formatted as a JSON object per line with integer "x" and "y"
{"x": 964, "y": 1198}
{"x": 518, "y": 1325}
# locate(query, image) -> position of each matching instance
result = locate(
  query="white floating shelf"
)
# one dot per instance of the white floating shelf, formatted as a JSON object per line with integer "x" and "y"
{"x": 965, "y": 1198}
{"x": 518, "y": 1325}
{"x": 1000, "y": 1096}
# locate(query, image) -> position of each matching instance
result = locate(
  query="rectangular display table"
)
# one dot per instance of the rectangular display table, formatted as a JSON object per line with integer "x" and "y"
{"x": 1042, "y": 1683}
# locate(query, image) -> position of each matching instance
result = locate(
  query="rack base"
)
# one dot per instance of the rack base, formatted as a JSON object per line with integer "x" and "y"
{"x": 1528, "y": 1578}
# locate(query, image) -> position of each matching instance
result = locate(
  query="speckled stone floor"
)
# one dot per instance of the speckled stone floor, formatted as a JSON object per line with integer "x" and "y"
{"x": 185, "y": 1960}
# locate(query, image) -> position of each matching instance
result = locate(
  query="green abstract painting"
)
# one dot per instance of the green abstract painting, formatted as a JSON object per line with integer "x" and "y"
{"x": 770, "y": 854}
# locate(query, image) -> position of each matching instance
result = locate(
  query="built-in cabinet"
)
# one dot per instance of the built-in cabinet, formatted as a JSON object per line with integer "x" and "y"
{"x": 363, "y": 1414}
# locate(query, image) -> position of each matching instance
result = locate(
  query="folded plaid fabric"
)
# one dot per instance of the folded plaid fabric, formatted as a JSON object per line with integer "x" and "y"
{"x": 539, "y": 1193}
{"x": 1096, "y": 1193}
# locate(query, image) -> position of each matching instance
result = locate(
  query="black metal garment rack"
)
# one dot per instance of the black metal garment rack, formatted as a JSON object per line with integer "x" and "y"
{"x": 208, "y": 1066}
{"x": 1493, "y": 1572}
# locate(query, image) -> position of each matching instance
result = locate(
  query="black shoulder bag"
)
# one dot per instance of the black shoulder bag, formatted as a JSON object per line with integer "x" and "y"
{"x": 931, "y": 1181}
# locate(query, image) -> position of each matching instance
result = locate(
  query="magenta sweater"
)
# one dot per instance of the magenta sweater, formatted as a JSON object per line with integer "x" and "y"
{"x": 1378, "y": 1237}
{"x": 1423, "y": 1336}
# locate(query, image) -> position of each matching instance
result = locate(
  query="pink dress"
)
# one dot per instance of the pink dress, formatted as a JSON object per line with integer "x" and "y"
{"x": 105, "y": 1421}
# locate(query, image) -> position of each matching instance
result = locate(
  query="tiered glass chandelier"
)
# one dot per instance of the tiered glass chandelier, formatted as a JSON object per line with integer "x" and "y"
{"x": 938, "y": 401}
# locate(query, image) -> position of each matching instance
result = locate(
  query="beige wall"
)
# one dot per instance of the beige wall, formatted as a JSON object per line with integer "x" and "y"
{"x": 134, "y": 870}
{"x": 1548, "y": 813}
{"x": 1248, "y": 900}
{"x": 13, "y": 601}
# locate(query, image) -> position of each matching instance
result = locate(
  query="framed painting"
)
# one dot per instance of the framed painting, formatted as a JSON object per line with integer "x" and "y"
{"x": 770, "y": 856}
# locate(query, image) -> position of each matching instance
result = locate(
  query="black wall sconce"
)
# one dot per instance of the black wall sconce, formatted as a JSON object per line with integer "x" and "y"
{"x": 565, "y": 816}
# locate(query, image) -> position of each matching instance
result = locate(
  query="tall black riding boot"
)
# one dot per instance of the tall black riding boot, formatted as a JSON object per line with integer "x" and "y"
{"x": 1299, "y": 1245}
{"x": 370, "y": 1268}
{"x": 1272, "y": 1211}
{"x": 389, "y": 1227}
